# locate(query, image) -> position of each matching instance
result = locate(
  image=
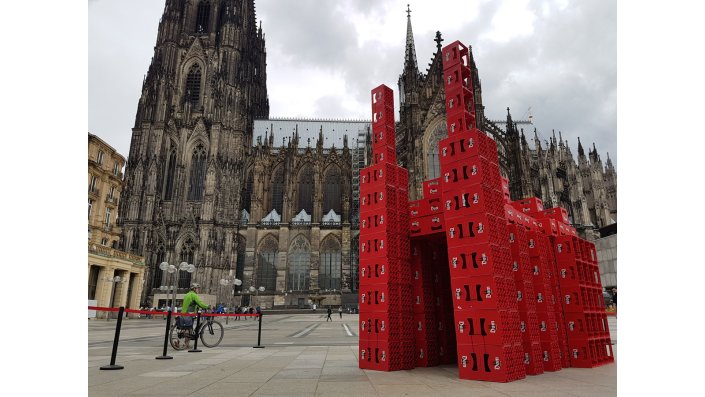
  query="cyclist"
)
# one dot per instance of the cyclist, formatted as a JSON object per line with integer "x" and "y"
{"x": 191, "y": 301}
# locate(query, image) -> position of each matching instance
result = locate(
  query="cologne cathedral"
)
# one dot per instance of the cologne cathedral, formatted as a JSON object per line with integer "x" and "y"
{"x": 266, "y": 209}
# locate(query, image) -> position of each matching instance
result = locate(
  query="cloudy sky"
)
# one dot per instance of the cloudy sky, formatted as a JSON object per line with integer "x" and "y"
{"x": 555, "y": 59}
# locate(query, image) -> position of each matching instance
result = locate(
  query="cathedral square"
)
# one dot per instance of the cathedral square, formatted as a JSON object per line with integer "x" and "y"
{"x": 212, "y": 180}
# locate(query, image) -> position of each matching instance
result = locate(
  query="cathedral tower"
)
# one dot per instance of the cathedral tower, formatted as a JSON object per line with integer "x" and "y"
{"x": 204, "y": 87}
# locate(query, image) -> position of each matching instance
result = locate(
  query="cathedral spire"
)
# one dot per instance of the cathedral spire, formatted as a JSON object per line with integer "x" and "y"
{"x": 410, "y": 54}
{"x": 581, "y": 152}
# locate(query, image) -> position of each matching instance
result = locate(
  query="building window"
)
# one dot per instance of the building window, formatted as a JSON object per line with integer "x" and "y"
{"x": 108, "y": 213}
{"x": 277, "y": 199}
{"x": 247, "y": 197}
{"x": 433, "y": 166}
{"x": 202, "y": 17}
{"x": 157, "y": 272}
{"x": 116, "y": 168}
{"x": 93, "y": 281}
{"x": 104, "y": 241}
{"x": 193, "y": 84}
{"x": 170, "y": 172}
{"x": 100, "y": 157}
{"x": 187, "y": 255}
{"x": 332, "y": 191}
{"x": 266, "y": 265}
{"x": 306, "y": 190}
{"x": 94, "y": 181}
{"x": 299, "y": 263}
{"x": 111, "y": 193}
{"x": 90, "y": 208}
{"x": 331, "y": 264}
{"x": 198, "y": 173}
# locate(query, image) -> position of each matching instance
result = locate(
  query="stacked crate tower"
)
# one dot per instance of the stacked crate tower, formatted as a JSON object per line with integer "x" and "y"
{"x": 487, "y": 323}
{"x": 386, "y": 312}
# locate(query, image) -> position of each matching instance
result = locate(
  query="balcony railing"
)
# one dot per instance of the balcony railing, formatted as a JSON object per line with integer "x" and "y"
{"x": 330, "y": 224}
{"x": 268, "y": 224}
{"x": 299, "y": 224}
{"x": 114, "y": 253}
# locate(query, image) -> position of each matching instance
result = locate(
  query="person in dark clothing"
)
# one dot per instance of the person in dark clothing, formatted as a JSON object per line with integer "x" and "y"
{"x": 614, "y": 297}
{"x": 329, "y": 313}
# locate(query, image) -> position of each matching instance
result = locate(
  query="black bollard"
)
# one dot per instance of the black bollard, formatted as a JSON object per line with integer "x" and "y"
{"x": 259, "y": 333}
{"x": 115, "y": 342}
{"x": 166, "y": 338}
{"x": 195, "y": 342}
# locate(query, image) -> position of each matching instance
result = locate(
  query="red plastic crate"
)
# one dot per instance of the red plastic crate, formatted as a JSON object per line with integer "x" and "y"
{"x": 475, "y": 229}
{"x": 505, "y": 190}
{"x": 490, "y": 363}
{"x": 455, "y": 77}
{"x": 479, "y": 260}
{"x": 426, "y": 225}
{"x": 384, "y": 136}
{"x": 529, "y": 205}
{"x": 471, "y": 170}
{"x": 385, "y": 356}
{"x": 382, "y": 298}
{"x": 489, "y": 327}
{"x": 383, "y": 220}
{"x": 533, "y": 359}
{"x": 458, "y": 99}
{"x": 382, "y": 271}
{"x": 466, "y": 144}
{"x": 384, "y": 154}
{"x": 559, "y": 214}
{"x": 460, "y": 201}
{"x": 483, "y": 292}
{"x": 382, "y": 95}
{"x": 376, "y": 176}
{"x": 432, "y": 188}
{"x": 460, "y": 122}
{"x": 455, "y": 53}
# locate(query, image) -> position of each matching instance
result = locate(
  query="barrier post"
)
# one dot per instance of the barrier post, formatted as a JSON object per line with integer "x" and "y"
{"x": 166, "y": 338}
{"x": 197, "y": 331}
{"x": 259, "y": 333}
{"x": 115, "y": 342}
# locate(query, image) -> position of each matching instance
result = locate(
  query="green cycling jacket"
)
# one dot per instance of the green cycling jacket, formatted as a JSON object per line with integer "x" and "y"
{"x": 191, "y": 298}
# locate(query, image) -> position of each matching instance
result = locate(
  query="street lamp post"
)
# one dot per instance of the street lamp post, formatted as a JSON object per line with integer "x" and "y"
{"x": 170, "y": 269}
{"x": 258, "y": 290}
{"x": 226, "y": 282}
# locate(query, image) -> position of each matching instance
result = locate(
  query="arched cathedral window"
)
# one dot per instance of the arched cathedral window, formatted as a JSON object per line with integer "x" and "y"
{"x": 198, "y": 173}
{"x": 433, "y": 165}
{"x": 193, "y": 84}
{"x": 186, "y": 255}
{"x": 306, "y": 185}
{"x": 332, "y": 191}
{"x": 157, "y": 272}
{"x": 170, "y": 172}
{"x": 247, "y": 196}
{"x": 202, "y": 16}
{"x": 331, "y": 265}
{"x": 266, "y": 273}
{"x": 277, "y": 199}
{"x": 299, "y": 262}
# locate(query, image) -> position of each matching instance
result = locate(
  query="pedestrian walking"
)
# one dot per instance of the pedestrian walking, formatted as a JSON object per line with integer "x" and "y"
{"x": 614, "y": 298}
{"x": 329, "y": 313}
{"x": 340, "y": 311}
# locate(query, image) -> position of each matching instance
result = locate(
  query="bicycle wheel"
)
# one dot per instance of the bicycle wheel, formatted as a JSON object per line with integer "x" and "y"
{"x": 178, "y": 338}
{"x": 211, "y": 333}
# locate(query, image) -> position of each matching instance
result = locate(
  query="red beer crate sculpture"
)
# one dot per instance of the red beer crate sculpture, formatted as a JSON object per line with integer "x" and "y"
{"x": 466, "y": 275}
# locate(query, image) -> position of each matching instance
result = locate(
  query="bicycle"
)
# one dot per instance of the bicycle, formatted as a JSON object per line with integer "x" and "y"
{"x": 210, "y": 332}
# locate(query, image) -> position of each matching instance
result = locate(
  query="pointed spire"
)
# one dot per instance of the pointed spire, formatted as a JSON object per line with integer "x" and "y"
{"x": 410, "y": 54}
{"x": 537, "y": 142}
{"x": 581, "y": 152}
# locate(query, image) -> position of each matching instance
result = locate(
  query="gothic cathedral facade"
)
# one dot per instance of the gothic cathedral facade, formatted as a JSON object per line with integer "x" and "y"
{"x": 586, "y": 188}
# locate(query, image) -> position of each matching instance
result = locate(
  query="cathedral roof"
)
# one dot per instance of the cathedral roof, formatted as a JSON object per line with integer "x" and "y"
{"x": 334, "y": 131}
